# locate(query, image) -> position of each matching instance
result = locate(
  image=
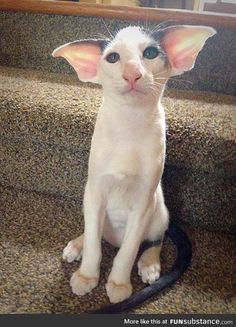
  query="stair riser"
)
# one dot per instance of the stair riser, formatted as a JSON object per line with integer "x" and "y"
{"x": 195, "y": 197}
{"x": 23, "y": 49}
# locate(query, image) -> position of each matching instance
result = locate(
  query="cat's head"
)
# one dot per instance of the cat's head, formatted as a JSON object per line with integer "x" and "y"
{"x": 136, "y": 63}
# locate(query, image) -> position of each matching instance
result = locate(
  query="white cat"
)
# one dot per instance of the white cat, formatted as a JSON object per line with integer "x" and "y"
{"x": 123, "y": 201}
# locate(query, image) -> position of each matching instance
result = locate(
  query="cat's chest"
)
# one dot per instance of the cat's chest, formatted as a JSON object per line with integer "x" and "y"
{"x": 128, "y": 144}
{"x": 124, "y": 155}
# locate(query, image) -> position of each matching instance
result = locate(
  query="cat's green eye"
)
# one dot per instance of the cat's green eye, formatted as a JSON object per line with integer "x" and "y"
{"x": 113, "y": 57}
{"x": 150, "y": 53}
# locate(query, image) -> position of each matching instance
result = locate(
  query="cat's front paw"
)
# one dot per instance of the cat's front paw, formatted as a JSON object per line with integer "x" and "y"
{"x": 118, "y": 292}
{"x": 81, "y": 284}
{"x": 73, "y": 250}
{"x": 149, "y": 272}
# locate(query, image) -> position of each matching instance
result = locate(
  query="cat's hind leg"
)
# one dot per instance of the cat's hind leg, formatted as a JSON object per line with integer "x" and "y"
{"x": 149, "y": 266}
{"x": 73, "y": 250}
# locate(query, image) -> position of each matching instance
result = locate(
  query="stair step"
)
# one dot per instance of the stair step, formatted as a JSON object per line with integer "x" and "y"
{"x": 46, "y": 124}
{"x": 34, "y": 279}
{"x": 58, "y": 109}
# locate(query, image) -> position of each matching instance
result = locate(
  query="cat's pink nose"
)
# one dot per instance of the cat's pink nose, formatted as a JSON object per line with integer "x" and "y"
{"x": 131, "y": 73}
{"x": 132, "y": 78}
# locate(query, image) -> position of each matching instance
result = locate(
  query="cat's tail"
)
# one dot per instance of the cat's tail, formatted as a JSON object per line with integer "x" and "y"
{"x": 183, "y": 259}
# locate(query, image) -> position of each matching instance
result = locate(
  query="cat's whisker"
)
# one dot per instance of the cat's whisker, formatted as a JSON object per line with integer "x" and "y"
{"x": 157, "y": 77}
{"x": 157, "y": 83}
{"x": 160, "y": 78}
{"x": 154, "y": 89}
{"x": 109, "y": 32}
{"x": 146, "y": 22}
{"x": 155, "y": 93}
{"x": 181, "y": 81}
{"x": 162, "y": 25}
{"x": 159, "y": 73}
{"x": 101, "y": 36}
{"x": 155, "y": 28}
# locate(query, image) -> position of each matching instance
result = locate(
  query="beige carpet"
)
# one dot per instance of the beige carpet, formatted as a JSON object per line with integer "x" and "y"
{"x": 34, "y": 228}
{"x": 46, "y": 123}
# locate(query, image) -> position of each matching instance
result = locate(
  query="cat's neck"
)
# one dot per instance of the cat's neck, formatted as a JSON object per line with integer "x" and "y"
{"x": 137, "y": 118}
{"x": 142, "y": 105}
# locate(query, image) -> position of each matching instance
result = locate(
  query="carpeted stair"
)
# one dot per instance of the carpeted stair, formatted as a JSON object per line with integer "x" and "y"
{"x": 35, "y": 228}
{"x": 46, "y": 124}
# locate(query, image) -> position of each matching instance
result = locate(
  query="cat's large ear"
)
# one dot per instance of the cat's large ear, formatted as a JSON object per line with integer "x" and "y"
{"x": 84, "y": 57}
{"x": 182, "y": 45}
